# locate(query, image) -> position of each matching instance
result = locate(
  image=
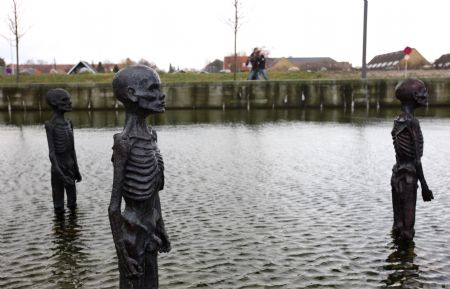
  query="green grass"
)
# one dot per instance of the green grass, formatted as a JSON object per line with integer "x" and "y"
{"x": 211, "y": 77}
{"x": 165, "y": 77}
{"x": 56, "y": 78}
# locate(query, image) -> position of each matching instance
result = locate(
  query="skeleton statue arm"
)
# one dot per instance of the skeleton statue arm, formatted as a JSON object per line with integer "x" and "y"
{"x": 165, "y": 245}
{"x": 52, "y": 154}
{"x": 427, "y": 194}
{"x": 74, "y": 154}
{"x": 160, "y": 161}
{"x": 120, "y": 155}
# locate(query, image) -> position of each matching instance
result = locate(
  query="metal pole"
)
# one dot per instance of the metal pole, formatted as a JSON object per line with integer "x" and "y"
{"x": 364, "y": 66}
{"x": 406, "y": 67}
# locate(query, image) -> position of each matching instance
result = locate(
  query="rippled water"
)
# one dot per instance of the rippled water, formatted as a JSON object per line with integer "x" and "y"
{"x": 254, "y": 199}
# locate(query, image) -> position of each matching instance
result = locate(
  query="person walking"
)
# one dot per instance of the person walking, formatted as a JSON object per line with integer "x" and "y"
{"x": 261, "y": 64}
{"x": 253, "y": 60}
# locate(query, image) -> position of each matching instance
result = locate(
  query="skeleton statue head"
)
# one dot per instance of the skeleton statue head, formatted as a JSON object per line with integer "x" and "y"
{"x": 139, "y": 87}
{"x": 59, "y": 100}
{"x": 412, "y": 90}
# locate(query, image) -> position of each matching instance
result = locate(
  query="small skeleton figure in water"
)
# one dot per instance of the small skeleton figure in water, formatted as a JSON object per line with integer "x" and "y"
{"x": 64, "y": 166}
{"x": 408, "y": 144}
{"x": 139, "y": 231}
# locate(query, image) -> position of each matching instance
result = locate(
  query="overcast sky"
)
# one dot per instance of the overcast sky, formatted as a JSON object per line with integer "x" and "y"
{"x": 189, "y": 33}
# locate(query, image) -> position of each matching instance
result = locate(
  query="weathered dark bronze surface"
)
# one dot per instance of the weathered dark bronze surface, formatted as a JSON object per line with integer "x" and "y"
{"x": 64, "y": 166}
{"x": 408, "y": 144}
{"x": 138, "y": 231}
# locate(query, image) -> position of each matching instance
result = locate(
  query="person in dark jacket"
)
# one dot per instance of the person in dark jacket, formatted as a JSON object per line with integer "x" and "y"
{"x": 253, "y": 60}
{"x": 261, "y": 64}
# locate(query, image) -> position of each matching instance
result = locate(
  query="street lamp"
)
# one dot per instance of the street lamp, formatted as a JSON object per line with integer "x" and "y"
{"x": 364, "y": 66}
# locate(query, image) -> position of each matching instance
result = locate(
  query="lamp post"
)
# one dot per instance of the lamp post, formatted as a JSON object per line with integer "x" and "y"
{"x": 364, "y": 66}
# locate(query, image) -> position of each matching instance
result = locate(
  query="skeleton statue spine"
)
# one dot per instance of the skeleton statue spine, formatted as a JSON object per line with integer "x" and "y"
{"x": 408, "y": 144}
{"x": 139, "y": 231}
{"x": 64, "y": 165}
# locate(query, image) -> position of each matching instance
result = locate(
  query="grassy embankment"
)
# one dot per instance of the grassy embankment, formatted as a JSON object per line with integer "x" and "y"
{"x": 165, "y": 77}
{"x": 211, "y": 77}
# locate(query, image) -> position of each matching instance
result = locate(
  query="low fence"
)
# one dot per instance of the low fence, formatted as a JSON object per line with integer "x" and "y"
{"x": 232, "y": 94}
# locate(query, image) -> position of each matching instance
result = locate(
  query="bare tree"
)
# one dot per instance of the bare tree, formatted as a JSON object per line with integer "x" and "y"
{"x": 236, "y": 24}
{"x": 2, "y": 63}
{"x": 144, "y": 61}
{"x": 16, "y": 30}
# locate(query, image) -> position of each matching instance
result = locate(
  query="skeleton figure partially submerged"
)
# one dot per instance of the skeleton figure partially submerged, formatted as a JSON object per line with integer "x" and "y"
{"x": 138, "y": 232}
{"x": 64, "y": 165}
{"x": 408, "y": 144}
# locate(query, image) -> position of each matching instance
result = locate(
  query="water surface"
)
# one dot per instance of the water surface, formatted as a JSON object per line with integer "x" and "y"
{"x": 259, "y": 199}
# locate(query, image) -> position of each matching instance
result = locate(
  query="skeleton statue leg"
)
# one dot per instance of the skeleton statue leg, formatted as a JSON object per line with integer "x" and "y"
{"x": 151, "y": 269}
{"x": 57, "y": 192}
{"x": 71, "y": 192}
{"x": 404, "y": 196}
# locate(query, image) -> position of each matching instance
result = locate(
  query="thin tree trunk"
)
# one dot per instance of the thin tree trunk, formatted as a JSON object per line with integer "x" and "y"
{"x": 236, "y": 18}
{"x": 17, "y": 59}
{"x": 14, "y": 26}
{"x": 235, "y": 57}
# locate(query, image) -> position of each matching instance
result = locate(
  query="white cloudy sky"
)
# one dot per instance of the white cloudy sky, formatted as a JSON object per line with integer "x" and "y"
{"x": 188, "y": 33}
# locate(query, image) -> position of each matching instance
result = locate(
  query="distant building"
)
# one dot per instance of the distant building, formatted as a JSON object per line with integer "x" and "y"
{"x": 396, "y": 60}
{"x": 306, "y": 63}
{"x": 279, "y": 64}
{"x": 54, "y": 68}
{"x": 291, "y": 63}
{"x": 228, "y": 63}
{"x": 81, "y": 67}
{"x": 213, "y": 67}
{"x": 442, "y": 62}
{"x": 45, "y": 68}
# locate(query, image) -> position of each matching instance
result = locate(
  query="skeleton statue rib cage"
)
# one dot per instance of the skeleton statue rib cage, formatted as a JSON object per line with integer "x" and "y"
{"x": 144, "y": 170}
{"x": 408, "y": 139}
{"x": 62, "y": 136}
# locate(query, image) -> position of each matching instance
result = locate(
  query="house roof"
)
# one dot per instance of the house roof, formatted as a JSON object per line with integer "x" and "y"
{"x": 280, "y": 64}
{"x": 46, "y": 68}
{"x": 443, "y": 61}
{"x": 284, "y": 62}
{"x": 395, "y": 59}
{"x": 388, "y": 57}
{"x": 298, "y": 61}
{"x": 81, "y": 65}
{"x": 216, "y": 64}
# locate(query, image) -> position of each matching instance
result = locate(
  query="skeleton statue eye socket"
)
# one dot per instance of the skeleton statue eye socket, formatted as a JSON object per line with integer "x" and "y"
{"x": 154, "y": 86}
{"x": 131, "y": 90}
{"x": 421, "y": 93}
{"x": 64, "y": 99}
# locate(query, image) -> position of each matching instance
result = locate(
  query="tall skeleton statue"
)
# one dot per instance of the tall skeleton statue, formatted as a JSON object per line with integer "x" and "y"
{"x": 408, "y": 144}
{"x": 64, "y": 165}
{"x": 138, "y": 231}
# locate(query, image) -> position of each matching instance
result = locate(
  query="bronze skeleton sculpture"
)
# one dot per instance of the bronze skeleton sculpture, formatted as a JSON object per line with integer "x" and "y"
{"x": 408, "y": 144}
{"x": 138, "y": 231}
{"x": 64, "y": 165}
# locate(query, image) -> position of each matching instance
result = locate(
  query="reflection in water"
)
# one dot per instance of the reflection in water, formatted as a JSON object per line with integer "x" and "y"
{"x": 116, "y": 118}
{"x": 403, "y": 273}
{"x": 67, "y": 252}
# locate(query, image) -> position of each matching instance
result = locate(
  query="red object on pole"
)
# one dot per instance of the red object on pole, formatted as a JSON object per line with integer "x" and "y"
{"x": 407, "y": 50}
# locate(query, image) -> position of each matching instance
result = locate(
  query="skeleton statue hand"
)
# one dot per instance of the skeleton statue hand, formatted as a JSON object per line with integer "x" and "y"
{"x": 78, "y": 177}
{"x": 427, "y": 194}
{"x": 132, "y": 268}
